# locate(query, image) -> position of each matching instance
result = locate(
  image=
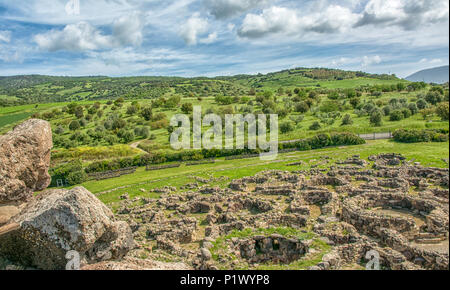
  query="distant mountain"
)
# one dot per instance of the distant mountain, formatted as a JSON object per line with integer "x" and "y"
{"x": 438, "y": 75}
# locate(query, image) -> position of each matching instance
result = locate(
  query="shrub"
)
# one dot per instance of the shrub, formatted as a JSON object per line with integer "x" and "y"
{"x": 421, "y": 104}
{"x": 330, "y": 106}
{"x": 387, "y": 110}
{"x": 415, "y": 136}
{"x": 282, "y": 113}
{"x": 76, "y": 177}
{"x": 406, "y": 113}
{"x": 286, "y": 127}
{"x": 187, "y": 108}
{"x": 376, "y": 118}
{"x": 297, "y": 119}
{"x": 355, "y": 102}
{"x": 396, "y": 115}
{"x": 413, "y": 108}
{"x": 427, "y": 113}
{"x": 347, "y": 120}
{"x": 315, "y": 126}
{"x": 302, "y": 107}
{"x": 132, "y": 109}
{"x": 161, "y": 124}
{"x": 147, "y": 113}
{"x": 118, "y": 124}
{"x": 323, "y": 140}
{"x": 159, "y": 116}
{"x": 223, "y": 100}
{"x": 433, "y": 97}
{"x": 72, "y": 172}
{"x": 59, "y": 130}
{"x": 74, "y": 125}
{"x": 442, "y": 110}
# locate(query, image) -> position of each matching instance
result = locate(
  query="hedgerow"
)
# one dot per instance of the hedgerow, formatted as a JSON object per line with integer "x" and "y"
{"x": 416, "y": 136}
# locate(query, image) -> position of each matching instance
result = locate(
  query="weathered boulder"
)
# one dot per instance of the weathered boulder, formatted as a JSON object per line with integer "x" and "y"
{"x": 58, "y": 221}
{"x": 24, "y": 160}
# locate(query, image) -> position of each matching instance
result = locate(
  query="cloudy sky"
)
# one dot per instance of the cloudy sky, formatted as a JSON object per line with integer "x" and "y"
{"x": 220, "y": 37}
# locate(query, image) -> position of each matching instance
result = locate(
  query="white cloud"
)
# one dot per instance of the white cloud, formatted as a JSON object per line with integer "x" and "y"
{"x": 227, "y": 8}
{"x": 96, "y": 12}
{"x": 74, "y": 37}
{"x": 370, "y": 60}
{"x": 327, "y": 17}
{"x": 193, "y": 28}
{"x": 5, "y": 36}
{"x": 210, "y": 39}
{"x": 341, "y": 61}
{"x": 289, "y": 21}
{"x": 364, "y": 61}
{"x": 127, "y": 30}
{"x": 408, "y": 14}
{"x": 272, "y": 20}
{"x": 430, "y": 61}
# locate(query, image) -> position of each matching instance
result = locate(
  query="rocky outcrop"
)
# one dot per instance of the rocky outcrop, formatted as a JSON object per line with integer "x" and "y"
{"x": 24, "y": 160}
{"x": 58, "y": 221}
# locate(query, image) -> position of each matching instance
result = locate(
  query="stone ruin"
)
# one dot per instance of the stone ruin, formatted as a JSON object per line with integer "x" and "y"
{"x": 386, "y": 204}
{"x": 274, "y": 248}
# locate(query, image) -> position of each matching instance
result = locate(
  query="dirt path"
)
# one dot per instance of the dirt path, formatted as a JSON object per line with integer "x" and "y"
{"x": 136, "y": 144}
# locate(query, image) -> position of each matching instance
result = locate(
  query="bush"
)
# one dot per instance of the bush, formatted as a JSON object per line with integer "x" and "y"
{"x": 76, "y": 177}
{"x": 297, "y": 119}
{"x": 413, "y": 108}
{"x": 147, "y": 113}
{"x": 442, "y": 110}
{"x": 72, "y": 172}
{"x": 330, "y": 106}
{"x": 376, "y": 118}
{"x": 74, "y": 125}
{"x": 161, "y": 124}
{"x": 355, "y": 102}
{"x": 59, "y": 130}
{"x": 347, "y": 120}
{"x": 286, "y": 127}
{"x": 421, "y": 104}
{"x": 323, "y": 140}
{"x": 433, "y": 97}
{"x": 340, "y": 139}
{"x": 223, "y": 100}
{"x": 118, "y": 124}
{"x": 128, "y": 136}
{"x": 387, "y": 110}
{"x": 406, "y": 113}
{"x": 315, "y": 126}
{"x": 396, "y": 115}
{"x": 302, "y": 107}
{"x": 187, "y": 108}
{"x": 415, "y": 136}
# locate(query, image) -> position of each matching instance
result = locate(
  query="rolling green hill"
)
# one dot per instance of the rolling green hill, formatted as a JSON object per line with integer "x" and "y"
{"x": 39, "y": 89}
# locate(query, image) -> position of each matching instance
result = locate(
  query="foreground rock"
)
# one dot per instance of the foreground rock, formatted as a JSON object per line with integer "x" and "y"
{"x": 58, "y": 221}
{"x": 24, "y": 160}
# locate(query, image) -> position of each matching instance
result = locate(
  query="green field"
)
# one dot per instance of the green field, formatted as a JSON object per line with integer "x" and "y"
{"x": 429, "y": 154}
{"x": 104, "y": 119}
{"x": 13, "y": 119}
